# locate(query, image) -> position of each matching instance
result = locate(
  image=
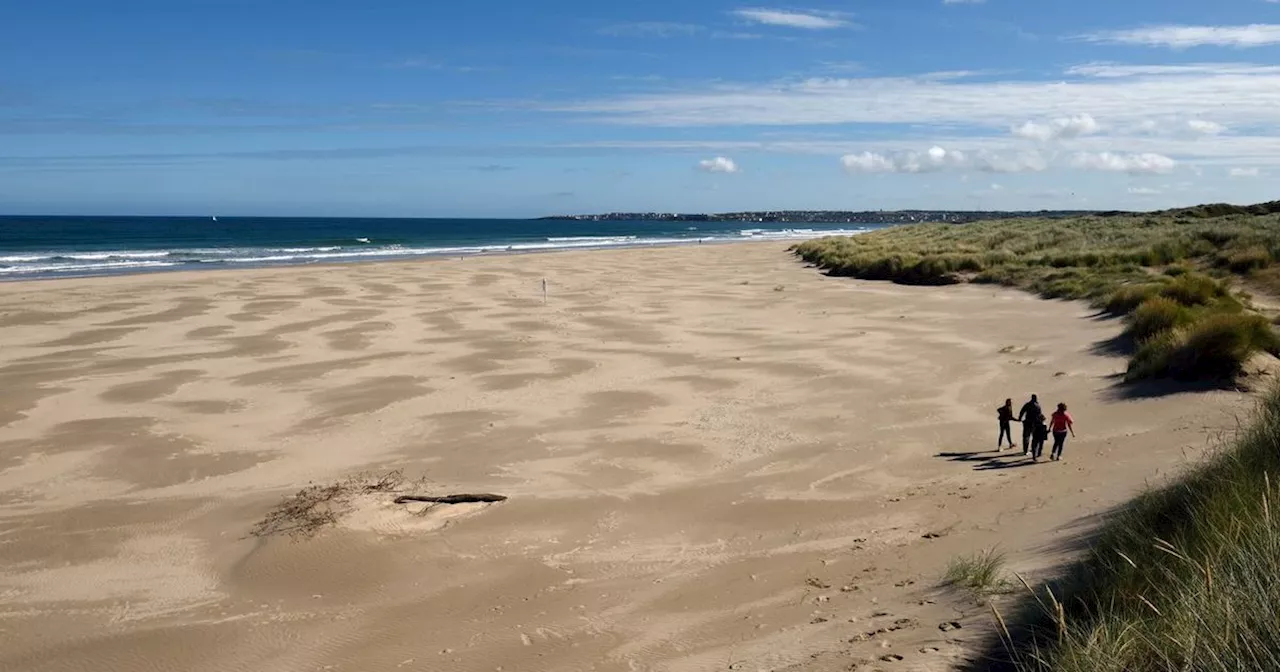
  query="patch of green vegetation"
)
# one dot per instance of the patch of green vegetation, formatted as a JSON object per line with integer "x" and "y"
{"x": 1183, "y": 578}
{"x": 1215, "y": 346}
{"x": 1154, "y": 316}
{"x": 1119, "y": 263}
{"x": 1126, "y": 298}
{"x": 982, "y": 573}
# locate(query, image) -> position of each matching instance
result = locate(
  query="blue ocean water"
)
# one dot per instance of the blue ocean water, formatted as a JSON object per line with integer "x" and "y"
{"x": 32, "y": 247}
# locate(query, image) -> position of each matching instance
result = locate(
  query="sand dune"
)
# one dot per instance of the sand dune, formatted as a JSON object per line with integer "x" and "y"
{"x": 716, "y": 458}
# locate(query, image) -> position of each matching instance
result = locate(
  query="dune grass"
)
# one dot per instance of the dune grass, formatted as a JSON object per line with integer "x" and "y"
{"x": 1169, "y": 274}
{"x": 983, "y": 573}
{"x": 1184, "y": 578}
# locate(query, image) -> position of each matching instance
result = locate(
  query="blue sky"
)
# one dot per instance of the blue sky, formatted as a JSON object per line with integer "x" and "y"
{"x": 522, "y": 108}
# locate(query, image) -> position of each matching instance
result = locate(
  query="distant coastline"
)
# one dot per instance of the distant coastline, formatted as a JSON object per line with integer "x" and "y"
{"x": 826, "y": 216}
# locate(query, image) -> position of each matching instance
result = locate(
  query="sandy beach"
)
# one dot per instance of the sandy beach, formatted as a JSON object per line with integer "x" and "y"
{"x": 716, "y": 459}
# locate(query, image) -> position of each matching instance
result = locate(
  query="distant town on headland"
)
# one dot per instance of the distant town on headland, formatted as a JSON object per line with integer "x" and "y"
{"x": 823, "y": 216}
{"x": 909, "y": 216}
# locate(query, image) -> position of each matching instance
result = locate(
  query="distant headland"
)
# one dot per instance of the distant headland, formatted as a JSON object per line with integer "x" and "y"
{"x": 826, "y": 216}
{"x": 909, "y": 216}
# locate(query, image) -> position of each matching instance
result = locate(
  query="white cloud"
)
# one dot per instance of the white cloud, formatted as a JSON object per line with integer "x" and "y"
{"x": 1110, "y": 70}
{"x": 1145, "y": 191}
{"x": 1182, "y": 37}
{"x": 937, "y": 158}
{"x": 719, "y": 164}
{"x": 1173, "y": 127}
{"x": 1137, "y": 164}
{"x": 810, "y": 20}
{"x": 1244, "y": 172}
{"x": 1205, "y": 127}
{"x": 1062, "y": 127}
{"x": 870, "y": 162}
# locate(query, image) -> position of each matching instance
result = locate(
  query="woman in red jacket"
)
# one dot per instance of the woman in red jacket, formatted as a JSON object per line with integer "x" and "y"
{"x": 1060, "y": 423}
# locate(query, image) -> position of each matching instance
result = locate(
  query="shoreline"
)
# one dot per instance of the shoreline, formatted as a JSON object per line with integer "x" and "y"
{"x": 183, "y": 273}
{"x": 408, "y": 258}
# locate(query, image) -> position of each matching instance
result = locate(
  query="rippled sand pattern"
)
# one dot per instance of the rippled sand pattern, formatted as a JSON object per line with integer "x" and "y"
{"x": 717, "y": 459}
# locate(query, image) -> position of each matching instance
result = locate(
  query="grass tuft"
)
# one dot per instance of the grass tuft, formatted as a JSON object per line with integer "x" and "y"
{"x": 1127, "y": 298}
{"x": 1194, "y": 289}
{"x": 982, "y": 573}
{"x": 1155, "y": 316}
{"x": 1245, "y": 261}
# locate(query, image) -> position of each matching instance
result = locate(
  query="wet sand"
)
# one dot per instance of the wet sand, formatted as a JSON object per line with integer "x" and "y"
{"x": 716, "y": 459}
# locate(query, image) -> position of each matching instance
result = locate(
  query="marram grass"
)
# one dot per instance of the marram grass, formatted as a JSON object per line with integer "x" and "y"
{"x": 982, "y": 573}
{"x": 1186, "y": 577}
{"x": 1169, "y": 274}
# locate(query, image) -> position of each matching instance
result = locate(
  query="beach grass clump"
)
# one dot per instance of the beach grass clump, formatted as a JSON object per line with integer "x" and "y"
{"x": 1195, "y": 289}
{"x": 1216, "y": 346}
{"x": 1118, "y": 263}
{"x": 1181, "y": 578}
{"x": 1246, "y": 260}
{"x": 982, "y": 573}
{"x": 1154, "y": 316}
{"x": 1126, "y": 298}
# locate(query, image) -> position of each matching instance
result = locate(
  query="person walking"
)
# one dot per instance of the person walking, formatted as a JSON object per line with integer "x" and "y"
{"x": 1005, "y": 415}
{"x": 1061, "y": 423}
{"x": 1039, "y": 436}
{"x": 1029, "y": 415}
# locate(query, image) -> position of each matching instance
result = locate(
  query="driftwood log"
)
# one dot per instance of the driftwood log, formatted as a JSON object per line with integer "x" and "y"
{"x": 451, "y": 499}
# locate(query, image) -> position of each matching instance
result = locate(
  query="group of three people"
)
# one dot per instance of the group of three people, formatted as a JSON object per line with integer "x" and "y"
{"x": 1035, "y": 428}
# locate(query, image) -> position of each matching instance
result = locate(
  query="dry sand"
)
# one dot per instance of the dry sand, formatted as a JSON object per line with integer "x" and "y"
{"x": 717, "y": 459}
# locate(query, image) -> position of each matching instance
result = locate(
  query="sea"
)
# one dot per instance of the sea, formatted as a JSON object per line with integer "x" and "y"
{"x": 58, "y": 247}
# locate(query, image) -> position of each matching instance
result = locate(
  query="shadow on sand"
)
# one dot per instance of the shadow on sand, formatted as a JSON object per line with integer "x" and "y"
{"x": 1116, "y": 346}
{"x": 1122, "y": 390}
{"x": 990, "y": 460}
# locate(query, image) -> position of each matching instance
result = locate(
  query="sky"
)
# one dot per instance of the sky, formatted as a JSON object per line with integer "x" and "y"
{"x": 515, "y": 108}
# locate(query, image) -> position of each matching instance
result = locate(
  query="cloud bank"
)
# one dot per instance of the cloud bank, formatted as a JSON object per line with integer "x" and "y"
{"x": 1185, "y": 37}
{"x": 938, "y": 158}
{"x": 1135, "y": 164}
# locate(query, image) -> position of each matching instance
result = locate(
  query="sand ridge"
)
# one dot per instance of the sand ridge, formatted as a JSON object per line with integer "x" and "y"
{"x": 716, "y": 458}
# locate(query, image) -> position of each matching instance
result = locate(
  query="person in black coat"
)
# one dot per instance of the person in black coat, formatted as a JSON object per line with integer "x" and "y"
{"x": 1030, "y": 416}
{"x": 1005, "y": 415}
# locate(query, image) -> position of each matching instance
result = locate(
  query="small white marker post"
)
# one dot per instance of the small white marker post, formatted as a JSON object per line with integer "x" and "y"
{"x": 544, "y": 290}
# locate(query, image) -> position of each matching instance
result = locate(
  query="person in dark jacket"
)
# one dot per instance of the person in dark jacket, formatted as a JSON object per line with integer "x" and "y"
{"x": 1005, "y": 415}
{"x": 1030, "y": 415}
{"x": 1038, "y": 438}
